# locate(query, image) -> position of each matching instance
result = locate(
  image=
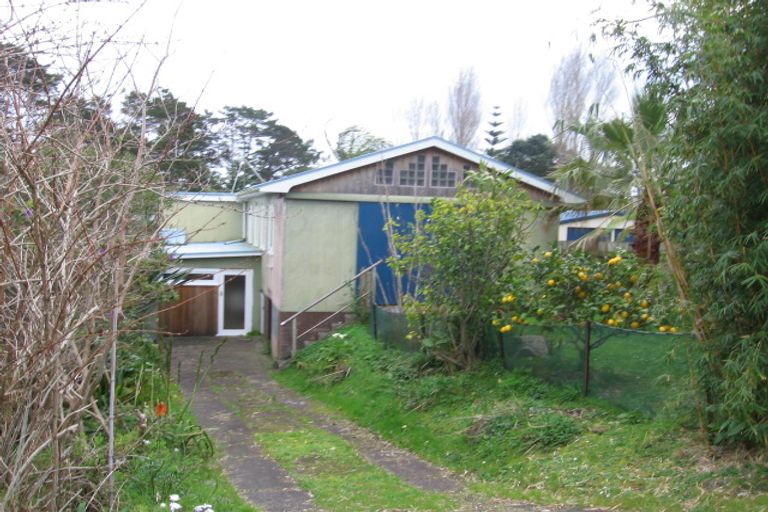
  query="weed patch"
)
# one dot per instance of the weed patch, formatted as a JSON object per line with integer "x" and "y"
{"x": 528, "y": 440}
{"x": 165, "y": 450}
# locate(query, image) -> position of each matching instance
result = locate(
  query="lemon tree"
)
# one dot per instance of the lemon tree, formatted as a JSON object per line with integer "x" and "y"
{"x": 575, "y": 287}
{"x": 461, "y": 256}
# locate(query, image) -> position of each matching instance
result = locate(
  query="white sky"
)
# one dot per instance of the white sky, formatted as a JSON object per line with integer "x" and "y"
{"x": 321, "y": 66}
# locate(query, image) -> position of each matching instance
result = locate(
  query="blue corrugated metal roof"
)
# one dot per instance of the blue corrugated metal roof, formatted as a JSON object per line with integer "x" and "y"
{"x": 578, "y": 215}
{"x": 194, "y": 250}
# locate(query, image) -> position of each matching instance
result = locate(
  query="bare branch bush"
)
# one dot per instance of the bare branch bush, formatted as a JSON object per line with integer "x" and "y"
{"x": 79, "y": 217}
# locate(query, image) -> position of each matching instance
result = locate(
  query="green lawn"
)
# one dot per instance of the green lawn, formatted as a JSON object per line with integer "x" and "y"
{"x": 525, "y": 439}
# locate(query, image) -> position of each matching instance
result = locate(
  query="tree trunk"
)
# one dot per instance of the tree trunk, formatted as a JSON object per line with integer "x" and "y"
{"x": 647, "y": 242}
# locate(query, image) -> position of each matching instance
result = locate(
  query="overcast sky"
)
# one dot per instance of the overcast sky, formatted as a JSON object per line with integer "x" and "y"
{"x": 321, "y": 66}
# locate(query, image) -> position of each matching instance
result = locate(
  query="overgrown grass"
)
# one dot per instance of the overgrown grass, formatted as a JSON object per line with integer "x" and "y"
{"x": 165, "y": 452}
{"x": 523, "y": 438}
{"x": 339, "y": 478}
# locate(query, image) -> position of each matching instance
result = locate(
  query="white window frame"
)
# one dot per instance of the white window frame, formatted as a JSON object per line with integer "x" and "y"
{"x": 248, "y": 323}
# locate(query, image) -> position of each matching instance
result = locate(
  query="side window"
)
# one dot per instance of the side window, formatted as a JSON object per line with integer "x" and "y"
{"x": 415, "y": 175}
{"x": 386, "y": 175}
{"x": 441, "y": 176}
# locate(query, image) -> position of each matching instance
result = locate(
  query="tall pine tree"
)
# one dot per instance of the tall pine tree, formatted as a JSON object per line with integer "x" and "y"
{"x": 495, "y": 133}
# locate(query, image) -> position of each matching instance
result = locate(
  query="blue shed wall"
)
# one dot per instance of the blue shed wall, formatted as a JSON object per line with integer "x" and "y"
{"x": 373, "y": 245}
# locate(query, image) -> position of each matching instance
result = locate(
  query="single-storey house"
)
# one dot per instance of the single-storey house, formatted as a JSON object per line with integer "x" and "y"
{"x": 612, "y": 229}
{"x": 260, "y": 258}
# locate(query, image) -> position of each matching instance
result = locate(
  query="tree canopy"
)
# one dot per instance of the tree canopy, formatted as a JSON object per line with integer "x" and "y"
{"x": 252, "y": 147}
{"x": 355, "y": 141}
{"x": 179, "y": 141}
{"x": 536, "y": 154}
{"x": 239, "y": 147}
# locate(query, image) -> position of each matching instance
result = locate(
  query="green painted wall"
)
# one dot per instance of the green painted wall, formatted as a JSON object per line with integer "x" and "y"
{"x": 319, "y": 252}
{"x": 543, "y": 231}
{"x": 233, "y": 263}
{"x": 207, "y": 221}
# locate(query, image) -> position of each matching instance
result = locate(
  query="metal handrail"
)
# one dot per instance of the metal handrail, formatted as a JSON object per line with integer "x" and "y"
{"x": 321, "y": 299}
{"x": 332, "y": 315}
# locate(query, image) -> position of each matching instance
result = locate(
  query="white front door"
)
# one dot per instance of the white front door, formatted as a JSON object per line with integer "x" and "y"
{"x": 235, "y": 302}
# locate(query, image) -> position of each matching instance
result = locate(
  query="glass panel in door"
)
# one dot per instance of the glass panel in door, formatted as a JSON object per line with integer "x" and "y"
{"x": 234, "y": 302}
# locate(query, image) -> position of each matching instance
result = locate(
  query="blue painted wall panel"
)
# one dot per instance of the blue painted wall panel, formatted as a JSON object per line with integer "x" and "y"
{"x": 372, "y": 243}
{"x": 574, "y": 234}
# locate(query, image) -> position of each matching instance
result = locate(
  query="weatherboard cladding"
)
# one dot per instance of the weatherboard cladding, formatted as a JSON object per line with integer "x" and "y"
{"x": 530, "y": 181}
{"x": 363, "y": 180}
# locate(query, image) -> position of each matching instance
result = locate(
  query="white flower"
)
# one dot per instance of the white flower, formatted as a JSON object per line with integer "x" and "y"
{"x": 174, "y": 506}
{"x": 205, "y": 507}
{"x": 174, "y": 497}
{"x": 163, "y": 505}
{"x": 145, "y": 441}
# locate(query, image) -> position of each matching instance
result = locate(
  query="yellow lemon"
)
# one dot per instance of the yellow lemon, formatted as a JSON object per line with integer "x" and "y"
{"x": 673, "y": 330}
{"x": 611, "y": 322}
{"x": 535, "y": 260}
{"x": 548, "y": 254}
{"x": 551, "y": 282}
{"x": 582, "y": 295}
{"x": 540, "y": 311}
{"x": 644, "y": 303}
{"x": 663, "y": 328}
{"x": 625, "y": 314}
{"x": 634, "y": 325}
{"x": 598, "y": 276}
{"x": 583, "y": 276}
{"x": 495, "y": 321}
{"x": 644, "y": 316}
{"x": 506, "y": 328}
{"x": 606, "y": 308}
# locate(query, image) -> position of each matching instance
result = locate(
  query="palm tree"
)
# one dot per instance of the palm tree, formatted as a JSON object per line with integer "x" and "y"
{"x": 618, "y": 170}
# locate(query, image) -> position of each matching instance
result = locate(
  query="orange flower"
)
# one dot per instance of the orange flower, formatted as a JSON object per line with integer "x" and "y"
{"x": 161, "y": 409}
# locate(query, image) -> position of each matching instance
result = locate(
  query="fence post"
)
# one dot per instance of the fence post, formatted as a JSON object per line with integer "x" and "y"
{"x": 374, "y": 322}
{"x": 293, "y": 337}
{"x": 587, "y": 348}
{"x": 500, "y": 339}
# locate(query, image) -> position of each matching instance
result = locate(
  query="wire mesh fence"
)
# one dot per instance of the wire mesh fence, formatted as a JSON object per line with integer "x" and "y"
{"x": 390, "y": 327}
{"x": 634, "y": 370}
